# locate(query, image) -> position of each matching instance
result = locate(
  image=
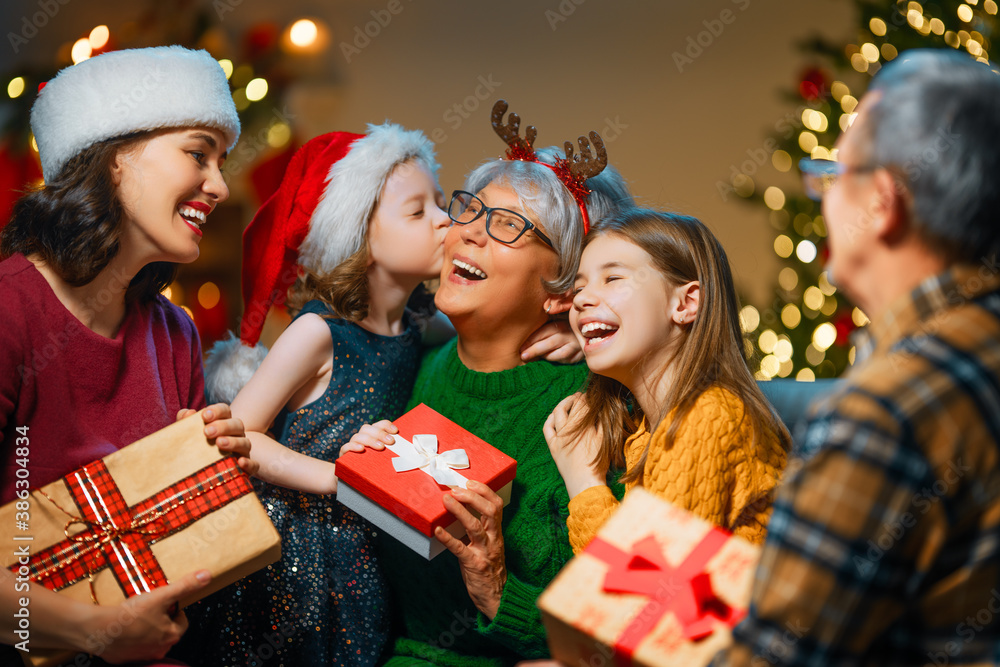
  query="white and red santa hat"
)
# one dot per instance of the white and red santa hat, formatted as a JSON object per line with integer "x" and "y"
{"x": 316, "y": 220}
{"x": 127, "y": 91}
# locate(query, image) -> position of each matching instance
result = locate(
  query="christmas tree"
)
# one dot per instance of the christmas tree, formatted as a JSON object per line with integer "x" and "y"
{"x": 805, "y": 332}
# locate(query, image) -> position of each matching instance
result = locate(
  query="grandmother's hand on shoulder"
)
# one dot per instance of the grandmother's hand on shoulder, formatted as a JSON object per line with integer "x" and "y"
{"x": 554, "y": 341}
{"x": 227, "y": 433}
{"x": 573, "y": 445}
{"x": 481, "y": 555}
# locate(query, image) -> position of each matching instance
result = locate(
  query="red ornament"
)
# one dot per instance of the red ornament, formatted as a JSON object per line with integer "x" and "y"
{"x": 844, "y": 324}
{"x": 18, "y": 171}
{"x": 814, "y": 84}
{"x": 261, "y": 39}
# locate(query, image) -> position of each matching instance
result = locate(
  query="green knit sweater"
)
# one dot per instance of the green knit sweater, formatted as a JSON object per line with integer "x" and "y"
{"x": 436, "y": 620}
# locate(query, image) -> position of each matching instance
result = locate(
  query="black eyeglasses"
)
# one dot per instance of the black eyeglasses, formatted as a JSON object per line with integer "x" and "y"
{"x": 503, "y": 225}
{"x": 818, "y": 176}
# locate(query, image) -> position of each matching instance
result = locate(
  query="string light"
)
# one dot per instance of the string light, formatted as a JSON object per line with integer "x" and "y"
{"x": 781, "y": 160}
{"x": 813, "y": 298}
{"x": 824, "y": 336}
{"x": 824, "y": 284}
{"x": 814, "y": 356}
{"x": 783, "y": 349}
{"x": 81, "y": 50}
{"x": 791, "y": 316}
{"x": 749, "y": 319}
{"x": 806, "y": 251}
{"x": 256, "y": 89}
{"x": 784, "y": 247}
{"x": 303, "y": 33}
{"x": 808, "y": 141}
{"x": 770, "y": 366}
{"x": 788, "y": 278}
{"x": 209, "y": 295}
{"x": 15, "y": 87}
{"x": 767, "y": 340}
{"x": 774, "y": 198}
{"x": 99, "y": 37}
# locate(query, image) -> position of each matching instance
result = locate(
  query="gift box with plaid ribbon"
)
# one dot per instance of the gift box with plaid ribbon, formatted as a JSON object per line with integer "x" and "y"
{"x": 139, "y": 518}
{"x": 656, "y": 586}
{"x": 400, "y": 488}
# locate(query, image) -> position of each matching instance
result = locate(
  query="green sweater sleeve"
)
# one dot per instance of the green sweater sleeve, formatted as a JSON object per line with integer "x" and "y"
{"x": 518, "y": 622}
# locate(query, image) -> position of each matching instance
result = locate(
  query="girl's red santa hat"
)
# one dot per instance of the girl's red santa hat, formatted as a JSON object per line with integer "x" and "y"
{"x": 316, "y": 220}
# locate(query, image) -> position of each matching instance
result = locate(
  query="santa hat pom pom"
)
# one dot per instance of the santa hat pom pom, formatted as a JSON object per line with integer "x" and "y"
{"x": 229, "y": 366}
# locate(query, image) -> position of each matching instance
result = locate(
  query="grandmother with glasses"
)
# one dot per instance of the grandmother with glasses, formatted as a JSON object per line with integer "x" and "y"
{"x": 510, "y": 260}
{"x": 884, "y": 545}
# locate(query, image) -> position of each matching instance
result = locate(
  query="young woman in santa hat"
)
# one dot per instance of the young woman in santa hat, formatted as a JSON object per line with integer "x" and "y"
{"x": 92, "y": 357}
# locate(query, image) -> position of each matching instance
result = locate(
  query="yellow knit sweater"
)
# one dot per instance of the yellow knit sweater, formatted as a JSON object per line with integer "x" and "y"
{"x": 713, "y": 469}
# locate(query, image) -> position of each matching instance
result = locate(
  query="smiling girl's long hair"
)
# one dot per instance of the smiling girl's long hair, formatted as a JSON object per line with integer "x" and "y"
{"x": 710, "y": 350}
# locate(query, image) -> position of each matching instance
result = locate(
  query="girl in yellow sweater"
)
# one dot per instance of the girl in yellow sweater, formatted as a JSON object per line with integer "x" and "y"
{"x": 656, "y": 313}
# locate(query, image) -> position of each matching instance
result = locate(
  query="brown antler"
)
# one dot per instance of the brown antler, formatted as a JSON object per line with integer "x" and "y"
{"x": 510, "y": 132}
{"x": 585, "y": 165}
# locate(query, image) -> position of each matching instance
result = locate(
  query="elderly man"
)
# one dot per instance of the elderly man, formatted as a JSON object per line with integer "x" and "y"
{"x": 884, "y": 546}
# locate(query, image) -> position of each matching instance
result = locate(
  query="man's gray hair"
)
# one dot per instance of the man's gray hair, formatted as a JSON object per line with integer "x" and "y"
{"x": 938, "y": 122}
{"x": 548, "y": 204}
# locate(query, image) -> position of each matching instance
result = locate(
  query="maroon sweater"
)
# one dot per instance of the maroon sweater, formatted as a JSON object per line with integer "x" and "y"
{"x": 81, "y": 395}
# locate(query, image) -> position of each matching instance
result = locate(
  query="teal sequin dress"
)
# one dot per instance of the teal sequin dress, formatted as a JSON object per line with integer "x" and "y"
{"x": 325, "y": 602}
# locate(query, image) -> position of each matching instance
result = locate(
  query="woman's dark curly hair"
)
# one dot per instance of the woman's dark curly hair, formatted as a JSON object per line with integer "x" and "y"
{"x": 74, "y": 223}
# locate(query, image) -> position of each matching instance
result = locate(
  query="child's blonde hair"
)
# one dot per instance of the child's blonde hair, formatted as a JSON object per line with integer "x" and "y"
{"x": 344, "y": 288}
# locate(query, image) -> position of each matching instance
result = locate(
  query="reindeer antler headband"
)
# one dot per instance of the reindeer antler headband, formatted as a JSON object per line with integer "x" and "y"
{"x": 573, "y": 170}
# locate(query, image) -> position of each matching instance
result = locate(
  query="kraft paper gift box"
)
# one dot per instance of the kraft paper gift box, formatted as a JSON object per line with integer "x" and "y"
{"x": 396, "y": 490}
{"x": 657, "y": 586}
{"x": 137, "y": 519}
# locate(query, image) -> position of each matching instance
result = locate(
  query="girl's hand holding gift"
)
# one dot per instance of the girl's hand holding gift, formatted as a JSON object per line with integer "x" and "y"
{"x": 574, "y": 447}
{"x": 229, "y": 434}
{"x": 373, "y": 436}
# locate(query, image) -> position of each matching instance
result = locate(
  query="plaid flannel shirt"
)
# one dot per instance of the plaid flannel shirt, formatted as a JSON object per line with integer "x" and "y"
{"x": 884, "y": 545}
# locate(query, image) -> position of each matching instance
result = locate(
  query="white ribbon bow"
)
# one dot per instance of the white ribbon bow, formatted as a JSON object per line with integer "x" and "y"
{"x": 423, "y": 453}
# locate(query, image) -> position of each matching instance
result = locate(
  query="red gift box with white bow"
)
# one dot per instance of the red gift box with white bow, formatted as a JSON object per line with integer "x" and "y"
{"x": 399, "y": 489}
{"x": 656, "y": 586}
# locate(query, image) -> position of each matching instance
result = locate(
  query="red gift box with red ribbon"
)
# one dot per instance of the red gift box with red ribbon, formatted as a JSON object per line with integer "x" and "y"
{"x": 657, "y": 586}
{"x": 137, "y": 519}
{"x": 399, "y": 489}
